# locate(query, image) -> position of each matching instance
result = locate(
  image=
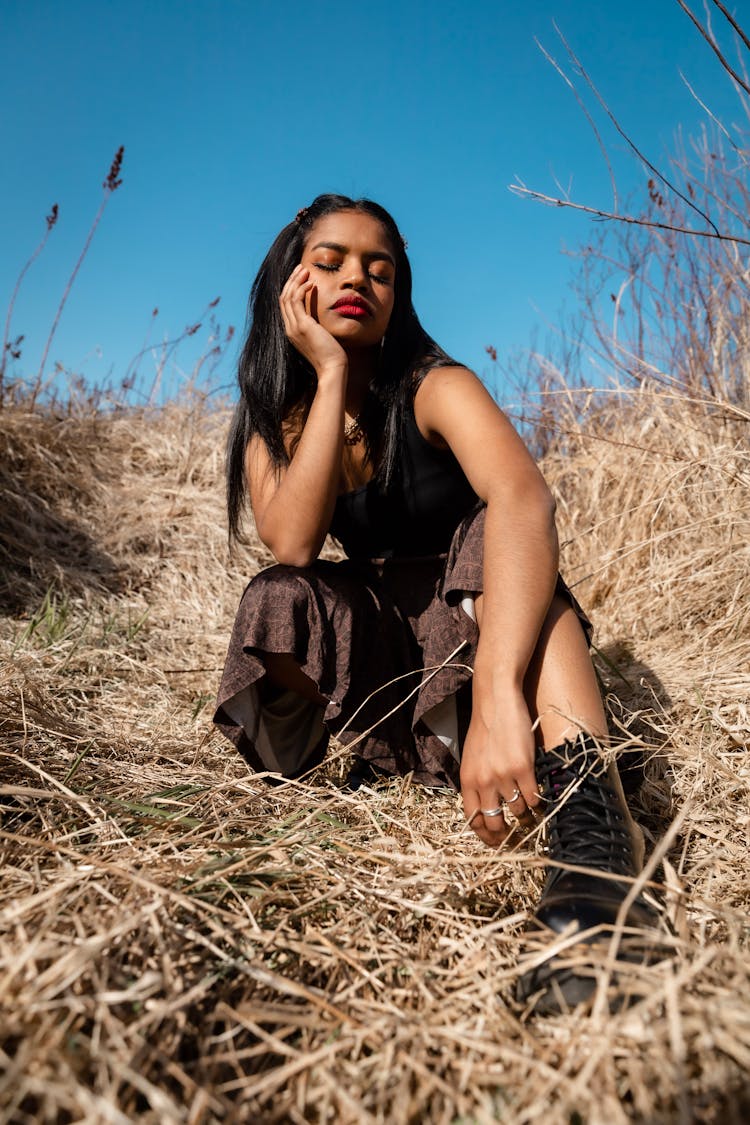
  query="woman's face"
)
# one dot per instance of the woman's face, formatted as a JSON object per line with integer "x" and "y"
{"x": 352, "y": 263}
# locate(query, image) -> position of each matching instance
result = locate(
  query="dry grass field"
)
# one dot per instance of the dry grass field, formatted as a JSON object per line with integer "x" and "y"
{"x": 181, "y": 942}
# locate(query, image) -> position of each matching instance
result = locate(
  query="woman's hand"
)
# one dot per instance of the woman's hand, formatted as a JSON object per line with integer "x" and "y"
{"x": 497, "y": 764}
{"x": 297, "y": 302}
{"x": 293, "y": 507}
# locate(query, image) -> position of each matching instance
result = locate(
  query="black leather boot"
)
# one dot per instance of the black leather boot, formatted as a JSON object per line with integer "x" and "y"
{"x": 587, "y": 827}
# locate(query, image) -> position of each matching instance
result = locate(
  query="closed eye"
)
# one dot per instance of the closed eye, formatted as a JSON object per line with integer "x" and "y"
{"x": 331, "y": 267}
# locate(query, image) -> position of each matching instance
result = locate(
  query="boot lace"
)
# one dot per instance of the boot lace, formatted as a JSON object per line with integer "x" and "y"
{"x": 586, "y": 826}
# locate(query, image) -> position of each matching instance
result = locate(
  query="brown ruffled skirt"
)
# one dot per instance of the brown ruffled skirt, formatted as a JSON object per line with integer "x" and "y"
{"x": 388, "y": 643}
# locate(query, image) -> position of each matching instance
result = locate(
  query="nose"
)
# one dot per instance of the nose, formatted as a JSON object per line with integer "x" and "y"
{"x": 355, "y": 276}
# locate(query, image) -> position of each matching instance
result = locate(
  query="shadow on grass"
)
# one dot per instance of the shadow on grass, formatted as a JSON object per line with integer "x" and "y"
{"x": 638, "y": 706}
{"x": 639, "y": 709}
{"x": 42, "y": 549}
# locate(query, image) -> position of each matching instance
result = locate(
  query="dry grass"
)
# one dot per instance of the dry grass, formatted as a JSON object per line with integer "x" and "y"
{"x": 180, "y": 942}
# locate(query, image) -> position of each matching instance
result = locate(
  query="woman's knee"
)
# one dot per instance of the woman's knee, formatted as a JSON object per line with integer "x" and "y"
{"x": 282, "y": 592}
{"x": 280, "y": 575}
{"x": 562, "y": 630}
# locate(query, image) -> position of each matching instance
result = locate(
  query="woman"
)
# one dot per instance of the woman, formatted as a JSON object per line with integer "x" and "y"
{"x": 449, "y": 608}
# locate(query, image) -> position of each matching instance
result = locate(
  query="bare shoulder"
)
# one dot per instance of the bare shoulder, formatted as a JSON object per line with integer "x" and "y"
{"x": 440, "y": 380}
{"x": 454, "y": 410}
{"x": 448, "y": 396}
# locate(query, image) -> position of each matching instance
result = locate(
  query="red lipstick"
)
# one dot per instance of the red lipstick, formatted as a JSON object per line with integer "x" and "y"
{"x": 352, "y": 305}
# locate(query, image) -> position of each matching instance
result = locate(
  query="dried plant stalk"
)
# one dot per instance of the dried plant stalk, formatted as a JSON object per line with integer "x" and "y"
{"x": 180, "y": 942}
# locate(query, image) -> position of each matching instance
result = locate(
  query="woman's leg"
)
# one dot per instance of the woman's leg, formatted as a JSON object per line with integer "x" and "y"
{"x": 588, "y": 822}
{"x": 306, "y": 649}
{"x": 267, "y": 706}
{"x": 563, "y": 695}
{"x": 560, "y": 685}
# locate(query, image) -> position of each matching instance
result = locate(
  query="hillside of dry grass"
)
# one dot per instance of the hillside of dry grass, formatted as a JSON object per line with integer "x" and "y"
{"x": 180, "y": 942}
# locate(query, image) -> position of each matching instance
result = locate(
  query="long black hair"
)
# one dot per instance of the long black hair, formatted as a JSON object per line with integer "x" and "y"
{"x": 274, "y": 377}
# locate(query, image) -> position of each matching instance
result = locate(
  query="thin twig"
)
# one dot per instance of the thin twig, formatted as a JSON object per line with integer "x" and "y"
{"x": 521, "y": 189}
{"x": 625, "y": 136}
{"x": 733, "y": 22}
{"x": 584, "y": 109}
{"x": 717, "y": 121}
{"x": 714, "y": 45}
{"x": 51, "y": 220}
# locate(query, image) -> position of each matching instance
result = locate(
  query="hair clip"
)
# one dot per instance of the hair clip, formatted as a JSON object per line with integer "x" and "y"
{"x": 301, "y": 215}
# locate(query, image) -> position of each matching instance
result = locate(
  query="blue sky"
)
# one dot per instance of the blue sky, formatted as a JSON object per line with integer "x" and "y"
{"x": 235, "y": 114}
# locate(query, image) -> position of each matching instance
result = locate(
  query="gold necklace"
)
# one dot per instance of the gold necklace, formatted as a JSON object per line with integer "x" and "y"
{"x": 353, "y": 432}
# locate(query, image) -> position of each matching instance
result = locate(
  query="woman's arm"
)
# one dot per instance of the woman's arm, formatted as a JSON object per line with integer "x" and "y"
{"x": 520, "y": 569}
{"x": 293, "y": 508}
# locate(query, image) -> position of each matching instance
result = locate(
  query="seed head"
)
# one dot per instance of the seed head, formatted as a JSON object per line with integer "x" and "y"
{"x": 113, "y": 181}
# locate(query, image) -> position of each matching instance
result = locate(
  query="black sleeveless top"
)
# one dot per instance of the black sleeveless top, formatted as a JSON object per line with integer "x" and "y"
{"x": 416, "y": 515}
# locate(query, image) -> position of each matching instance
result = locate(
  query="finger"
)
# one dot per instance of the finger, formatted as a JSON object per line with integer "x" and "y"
{"x": 295, "y": 289}
{"x": 493, "y": 831}
{"x": 490, "y": 823}
{"x": 289, "y": 284}
{"x": 293, "y": 306}
{"x": 295, "y": 275}
{"x": 296, "y": 282}
{"x": 517, "y": 807}
{"x": 473, "y": 814}
{"x": 492, "y": 837}
{"x": 311, "y": 301}
{"x": 478, "y": 804}
{"x": 529, "y": 788}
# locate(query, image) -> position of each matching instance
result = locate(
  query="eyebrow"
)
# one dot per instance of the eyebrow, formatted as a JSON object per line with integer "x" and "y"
{"x": 379, "y": 255}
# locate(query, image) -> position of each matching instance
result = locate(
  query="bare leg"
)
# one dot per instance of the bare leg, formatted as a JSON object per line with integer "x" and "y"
{"x": 562, "y": 693}
{"x": 560, "y": 685}
{"x": 284, "y": 672}
{"x": 585, "y": 816}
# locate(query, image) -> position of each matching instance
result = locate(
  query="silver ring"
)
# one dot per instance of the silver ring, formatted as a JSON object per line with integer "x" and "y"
{"x": 516, "y": 795}
{"x": 492, "y": 812}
